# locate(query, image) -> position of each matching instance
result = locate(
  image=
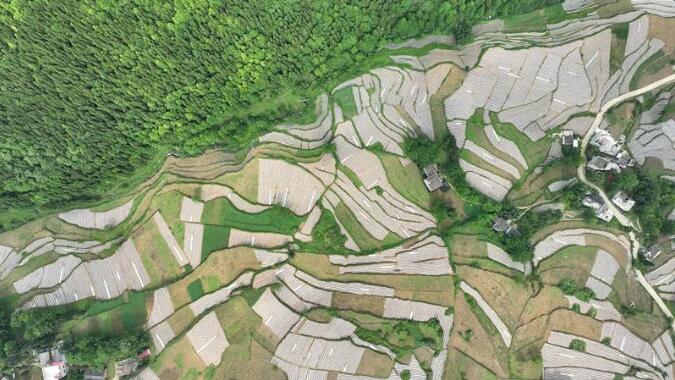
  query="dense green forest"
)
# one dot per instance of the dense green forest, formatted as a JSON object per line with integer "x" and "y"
{"x": 93, "y": 90}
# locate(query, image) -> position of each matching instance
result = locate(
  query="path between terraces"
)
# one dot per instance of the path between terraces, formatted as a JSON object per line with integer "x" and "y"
{"x": 624, "y": 220}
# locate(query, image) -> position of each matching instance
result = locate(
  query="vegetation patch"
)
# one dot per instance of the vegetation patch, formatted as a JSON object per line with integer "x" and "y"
{"x": 406, "y": 180}
{"x": 402, "y": 337}
{"x": 327, "y": 237}
{"x": 363, "y": 239}
{"x": 344, "y": 97}
{"x": 215, "y": 238}
{"x": 195, "y": 290}
{"x": 277, "y": 219}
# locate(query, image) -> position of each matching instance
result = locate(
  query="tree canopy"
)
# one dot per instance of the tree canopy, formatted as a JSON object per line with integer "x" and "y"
{"x": 92, "y": 90}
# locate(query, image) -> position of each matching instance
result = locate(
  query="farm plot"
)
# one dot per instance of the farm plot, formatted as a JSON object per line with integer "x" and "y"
{"x": 307, "y": 136}
{"x": 379, "y": 213}
{"x": 430, "y": 289}
{"x": 378, "y": 118}
{"x": 170, "y": 239}
{"x": 222, "y": 212}
{"x": 48, "y": 276}
{"x": 86, "y": 218}
{"x": 663, "y": 279}
{"x": 426, "y": 257}
{"x": 240, "y": 238}
{"x": 535, "y": 89}
{"x": 208, "y": 339}
{"x": 160, "y": 259}
{"x": 622, "y": 349}
{"x": 655, "y": 141}
{"x": 602, "y": 274}
{"x": 162, "y": 307}
{"x": 103, "y": 279}
{"x": 218, "y": 297}
{"x": 287, "y": 185}
{"x": 489, "y": 311}
{"x": 579, "y": 236}
{"x": 219, "y": 269}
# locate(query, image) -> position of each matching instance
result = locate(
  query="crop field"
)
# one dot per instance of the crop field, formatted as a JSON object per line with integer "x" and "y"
{"x": 429, "y": 220}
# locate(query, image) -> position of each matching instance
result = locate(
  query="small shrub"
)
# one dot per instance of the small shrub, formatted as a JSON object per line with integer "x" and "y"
{"x": 578, "y": 345}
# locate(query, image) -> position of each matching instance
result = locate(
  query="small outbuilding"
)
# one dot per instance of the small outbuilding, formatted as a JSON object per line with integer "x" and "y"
{"x": 623, "y": 201}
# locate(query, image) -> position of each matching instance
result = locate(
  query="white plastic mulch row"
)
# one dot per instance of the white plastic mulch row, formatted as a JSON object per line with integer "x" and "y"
{"x": 147, "y": 374}
{"x": 257, "y": 239}
{"x": 335, "y": 329}
{"x": 161, "y": 335}
{"x": 269, "y": 258}
{"x": 489, "y": 311}
{"x": 605, "y": 310}
{"x": 535, "y": 89}
{"x": 323, "y": 169}
{"x": 561, "y": 184}
{"x": 663, "y": 346}
{"x": 637, "y": 34}
{"x": 307, "y": 136}
{"x": 577, "y": 236}
{"x": 65, "y": 247}
{"x": 575, "y": 5}
{"x": 414, "y": 368}
{"x": 305, "y": 233}
{"x": 630, "y": 344}
{"x": 296, "y": 372}
{"x": 316, "y": 130}
{"x": 103, "y": 279}
{"x": 505, "y": 145}
{"x": 329, "y": 204}
{"x": 663, "y": 276}
{"x": 662, "y": 8}
{"x": 274, "y": 314}
{"x": 162, "y": 307}
{"x": 346, "y": 287}
{"x": 624, "y": 350}
{"x": 497, "y": 254}
{"x": 304, "y": 290}
{"x": 597, "y": 356}
{"x": 214, "y": 191}
{"x": 287, "y": 185}
{"x": 426, "y": 257}
{"x": 486, "y": 182}
{"x": 192, "y": 243}
{"x": 602, "y": 274}
{"x": 371, "y": 173}
{"x": 37, "y": 244}
{"x": 320, "y": 354}
{"x": 489, "y": 158}
{"x": 86, "y": 218}
{"x": 653, "y": 114}
{"x": 218, "y": 297}
{"x": 191, "y": 210}
{"x": 371, "y": 129}
{"x": 381, "y": 213}
{"x": 291, "y": 299}
{"x": 208, "y": 339}
{"x": 409, "y": 89}
{"x": 655, "y": 140}
{"x": 264, "y": 278}
{"x": 170, "y": 240}
{"x": 292, "y": 141}
{"x": 47, "y": 276}
{"x": 457, "y": 128}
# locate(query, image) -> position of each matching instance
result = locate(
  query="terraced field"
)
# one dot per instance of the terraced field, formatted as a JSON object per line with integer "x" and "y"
{"x": 319, "y": 253}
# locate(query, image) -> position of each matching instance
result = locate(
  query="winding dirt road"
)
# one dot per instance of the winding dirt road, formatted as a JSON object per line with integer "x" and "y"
{"x": 624, "y": 220}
